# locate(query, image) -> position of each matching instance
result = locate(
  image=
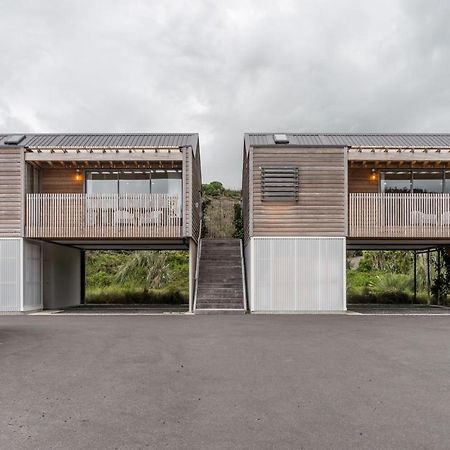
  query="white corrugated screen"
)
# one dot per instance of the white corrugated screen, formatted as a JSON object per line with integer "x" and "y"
{"x": 32, "y": 273}
{"x": 10, "y": 275}
{"x": 298, "y": 274}
{"x": 248, "y": 261}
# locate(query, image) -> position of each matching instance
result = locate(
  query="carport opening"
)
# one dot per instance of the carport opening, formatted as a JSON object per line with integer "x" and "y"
{"x": 399, "y": 277}
{"x": 138, "y": 277}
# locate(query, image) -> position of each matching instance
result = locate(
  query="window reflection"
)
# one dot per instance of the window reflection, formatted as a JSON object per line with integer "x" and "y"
{"x": 134, "y": 182}
{"x": 417, "y": 181}
{"x": 427, "y": 181}
{"x": 157, "y": 181}
{"x": 166, "y": 182}
{"x": 396, "y": 182}
{"x": 102, "y": 182}
{"x": 447, "y": 182}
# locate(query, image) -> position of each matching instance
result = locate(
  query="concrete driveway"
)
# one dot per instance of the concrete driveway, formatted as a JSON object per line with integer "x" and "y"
{"x": 224, "y": 382}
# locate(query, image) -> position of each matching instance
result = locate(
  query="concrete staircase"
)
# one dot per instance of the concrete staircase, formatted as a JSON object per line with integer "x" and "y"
{"x": 220, "y": 285}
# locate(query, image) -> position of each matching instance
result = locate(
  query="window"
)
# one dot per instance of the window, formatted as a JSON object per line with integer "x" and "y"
{"x": 416, "y": 181}
{"x": 134, "y": 182}
{"x": 102, "y": 182}
{"x": 279, "y": 184}
{"x": 156, "y": 181}
{"x": 447, "y": 182}
{"x": 396, "y": 182}
{"x": 427, "y": 181}
{"x": 166, "y": 182}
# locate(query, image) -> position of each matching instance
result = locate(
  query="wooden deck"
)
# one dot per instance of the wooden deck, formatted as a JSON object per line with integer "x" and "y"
{"x": 399, "y": 216}
{"x": 108, "y": 216}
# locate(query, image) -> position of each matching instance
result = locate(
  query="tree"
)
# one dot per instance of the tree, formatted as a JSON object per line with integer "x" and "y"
{"x": 441, "y": 284}
{"x": 213, "y": 189}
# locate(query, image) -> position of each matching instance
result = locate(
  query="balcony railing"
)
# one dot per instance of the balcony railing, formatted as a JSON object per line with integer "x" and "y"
{"x": 103, "y": 216}
{"x": 399, "y": 215}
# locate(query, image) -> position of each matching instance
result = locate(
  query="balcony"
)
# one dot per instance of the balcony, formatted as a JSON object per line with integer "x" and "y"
{"x": 103, "y": 216}
{"x": 399, "y": 216}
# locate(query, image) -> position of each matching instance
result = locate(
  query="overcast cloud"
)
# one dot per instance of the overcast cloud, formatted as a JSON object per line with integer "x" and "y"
{"x": 224, "y": 68}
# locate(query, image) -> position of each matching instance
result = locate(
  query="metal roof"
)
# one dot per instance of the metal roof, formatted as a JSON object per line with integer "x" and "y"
{"x": 63, "y": 140}
{"x": 353, "y": 140}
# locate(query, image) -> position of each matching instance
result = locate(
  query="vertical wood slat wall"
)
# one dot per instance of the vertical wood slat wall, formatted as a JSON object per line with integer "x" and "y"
{"x": 196, "y": 187}
{"x": 320, "y": 209}
{"x": 12, "y": 187}
{"x": 187, "y": 188}
{"x": 399, "y": 215}
{"x": 103, "y": 216}
{"x": 246, "y": 196}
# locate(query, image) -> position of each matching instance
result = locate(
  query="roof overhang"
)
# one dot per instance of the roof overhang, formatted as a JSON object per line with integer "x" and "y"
{"x": 367, "y": 153}
{"x": 103, "y": 154}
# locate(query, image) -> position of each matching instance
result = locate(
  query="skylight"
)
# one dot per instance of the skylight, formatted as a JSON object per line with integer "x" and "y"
{"x": 14, "y": 139}
{"x": 280, "y": 139}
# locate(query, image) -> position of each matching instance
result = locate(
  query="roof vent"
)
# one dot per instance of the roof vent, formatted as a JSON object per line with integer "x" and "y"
{"x": 14, "y": 139}
{"x": 280, "y": 139}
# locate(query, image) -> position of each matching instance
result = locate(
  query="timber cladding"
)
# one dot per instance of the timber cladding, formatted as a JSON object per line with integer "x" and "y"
{"x": 11, "y": 192}
{"x": 320, "y": 209}
{"x": 361, "y": 180}
{"x": 61, "y": 181}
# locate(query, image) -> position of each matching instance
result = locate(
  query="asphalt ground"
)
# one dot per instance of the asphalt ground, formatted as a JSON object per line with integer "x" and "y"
{"x": 225, "y": 382}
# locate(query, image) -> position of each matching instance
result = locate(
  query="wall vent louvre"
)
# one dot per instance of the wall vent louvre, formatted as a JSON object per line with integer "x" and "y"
{"x": 279, "y": 184}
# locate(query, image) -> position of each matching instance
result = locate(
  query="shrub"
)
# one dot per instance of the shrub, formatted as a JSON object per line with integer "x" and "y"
{"x": 128, "y": 295}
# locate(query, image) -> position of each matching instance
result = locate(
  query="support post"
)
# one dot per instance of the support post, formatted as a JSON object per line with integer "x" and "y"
{"x": 415, "y": 277}
{"x": 192, "y": 271}
{"x": 439, "y": 277}
{"x": 428, "y": 278}
{"x": 82, "y": 277}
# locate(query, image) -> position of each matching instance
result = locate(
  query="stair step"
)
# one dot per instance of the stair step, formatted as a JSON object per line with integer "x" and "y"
{"x": 220, "y": 311}
{"x": 221, "y": 300}
{"x": 211, "y": 294}
{"x": 220, "y": 283}
{"x": 218, "y": 305}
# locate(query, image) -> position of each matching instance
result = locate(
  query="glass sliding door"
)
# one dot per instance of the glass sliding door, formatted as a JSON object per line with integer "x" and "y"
{"x": 168, "y": 182}
{"x": 447, "y": 182}
{"x": 134, "y": 182}
{"x": 428, "y": 181}
{"x": 396, "y": 182}
{"x": 102, "y": 182}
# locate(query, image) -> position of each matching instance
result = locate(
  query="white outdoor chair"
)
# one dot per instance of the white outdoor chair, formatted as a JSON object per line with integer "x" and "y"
{"x": 445, "y": 218}
{"x": 123, "y": 217}
{"x": 151, "y": 218}
{"x": 420, "y": 218}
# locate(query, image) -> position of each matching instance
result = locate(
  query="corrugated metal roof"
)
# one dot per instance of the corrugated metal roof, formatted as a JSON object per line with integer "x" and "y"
{"x": 351, "y": 140}
{"x": 105, "y": 140}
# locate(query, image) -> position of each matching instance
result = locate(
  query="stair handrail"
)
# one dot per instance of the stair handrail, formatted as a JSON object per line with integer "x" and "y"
{"x": 197, "y": 265}
{"x": 244, "y": 280}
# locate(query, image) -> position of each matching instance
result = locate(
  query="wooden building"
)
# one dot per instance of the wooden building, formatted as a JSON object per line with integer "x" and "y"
{"x": 61, "y": 194}
{"x": 309, "y": 197}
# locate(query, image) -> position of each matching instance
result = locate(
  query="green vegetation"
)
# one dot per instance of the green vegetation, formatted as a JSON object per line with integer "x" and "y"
{"x": 141, "y": 277}
{"x": 216, "y": 189}
{"x": 388, "y": 277}
{"x": 222, "y": 216}
{"x": 238, "y": 222}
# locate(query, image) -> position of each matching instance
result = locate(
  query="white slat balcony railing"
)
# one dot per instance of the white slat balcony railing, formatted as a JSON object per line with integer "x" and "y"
{"x": 103, "y": 216}
{"x": 399, "y": 215}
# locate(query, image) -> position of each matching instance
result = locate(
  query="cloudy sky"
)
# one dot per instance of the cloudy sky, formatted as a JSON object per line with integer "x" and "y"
{"x": 221, "y": 68}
